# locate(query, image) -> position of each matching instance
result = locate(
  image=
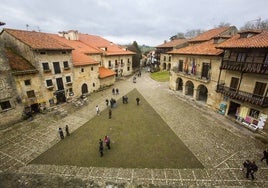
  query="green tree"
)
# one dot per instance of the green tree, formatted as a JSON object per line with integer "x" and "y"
{"x": 137, "y": 57}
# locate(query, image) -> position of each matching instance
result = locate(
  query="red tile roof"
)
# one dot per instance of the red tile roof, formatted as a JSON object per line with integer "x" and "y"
{"x": 256, "y": 41}
{"x": 210, "y": 34}
{"x": 173, "y": 43}
{"x": 80, "y": 52}
{"x": 18, "y": 64}
{"x": 104, "y": 72}
{"x": 37, "y": 40}
{"x": 204, "y": 48}
{"x": 107, "y": 47}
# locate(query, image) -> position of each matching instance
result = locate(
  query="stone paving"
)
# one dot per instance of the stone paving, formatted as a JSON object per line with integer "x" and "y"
{"x": 220, "y": 145}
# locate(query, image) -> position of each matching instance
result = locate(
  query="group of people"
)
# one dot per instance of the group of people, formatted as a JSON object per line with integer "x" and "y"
{"x": 251, "y": 167}
{"x": 115, "y": 91}
{"x": 61, "y": 132}
{"x": 107, "y": 143}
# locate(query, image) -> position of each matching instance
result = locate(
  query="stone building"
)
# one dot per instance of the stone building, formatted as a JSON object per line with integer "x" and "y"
{"x": 162, "y": 58}
{"x": 49, "y": 57}
{"x": 7, "y": 89}
{"x": 49, "y": 69}
{"x": 243, "y": 78}
{"x": 195, "y": 68}
{"x": 114, "y": 57}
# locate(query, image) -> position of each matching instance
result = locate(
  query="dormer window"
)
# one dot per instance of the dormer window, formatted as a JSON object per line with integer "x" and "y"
{"x": 66, "y": 65}
{"x": 248, "y": 33}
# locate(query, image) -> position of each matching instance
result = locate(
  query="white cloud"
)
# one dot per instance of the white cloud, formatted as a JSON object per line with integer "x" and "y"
{"x": 145, "y": 21}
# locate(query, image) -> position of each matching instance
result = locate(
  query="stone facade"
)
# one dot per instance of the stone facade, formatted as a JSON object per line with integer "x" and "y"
{"x": 120, "y": 64}
{"x": 7, "y": 97}
{"x": 200, "y": 85}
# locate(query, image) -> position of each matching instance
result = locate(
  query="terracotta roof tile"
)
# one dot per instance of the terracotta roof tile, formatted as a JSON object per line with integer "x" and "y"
{"x": 37, "y": 40}
{"x": 210, "y": 34}
{"x": 104, "y": 72}
{"x": 256, "y": 41}
{"x": 80, "y": 51}
{"x": 106, "y": 46}
{"x": 204, "y": 48}
{"x": 18, "y": 64}
{"x": 173, "y": 43}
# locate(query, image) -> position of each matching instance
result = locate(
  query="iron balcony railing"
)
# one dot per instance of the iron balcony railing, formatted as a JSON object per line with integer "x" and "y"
{"x": 243, "y": 96}
{"x": 247, "y": 67}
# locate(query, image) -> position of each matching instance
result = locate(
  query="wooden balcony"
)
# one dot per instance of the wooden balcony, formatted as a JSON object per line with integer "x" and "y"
{"x": 246, "y": 67}
{"x": 243, "y": 96}
{"x": 187, "y": 74}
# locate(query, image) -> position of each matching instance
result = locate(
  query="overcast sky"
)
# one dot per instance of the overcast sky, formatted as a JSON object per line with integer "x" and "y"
{"x": 148, "y": 22}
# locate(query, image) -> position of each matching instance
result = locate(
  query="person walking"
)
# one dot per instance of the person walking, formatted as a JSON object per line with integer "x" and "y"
{"x": 67, "y": 130}
{"x": 107, "y": 102}
{"x": 110, "y": 114}
{"x": 252, "y": 169}
{"x": 138, "y": 100}
{"x": 101, "y": 147}
{"x": 265, "y": 156}
{"x": 98, "y": 110}
{"x": 61, "y": 133}
{"x": 107, "y": 142}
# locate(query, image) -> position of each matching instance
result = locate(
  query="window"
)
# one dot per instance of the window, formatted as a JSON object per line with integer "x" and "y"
{"x": 93, "y": 84}
{"x": 115, "y": 62}
{"x": 42, "y": 52}
{"x": 56, "y": 66}
{"x": 109, "y": 63}
{"x": 65, "y": 64}
{"x": 128, "y": 68}
{"x": 68, "y": 79}
{"x": 92, "y": 68}
{"x": 164, "y": 58}
{"x": 82, "y": 69}
{"x": 234, "y": 83}
{"x": 181, "y": 65}
{"x": 259, "y": 89}
{"x": 5, "y": 105}
{"x": 30, "y": 94}
{"x": 254, "y": 113}
{"x": 27, "y": 82}
{"x": 64, "y": 52}
{"x": 128, "y": 60}
{"x": 169, "y": 58}
{"x": 45, "y": 66}
{"x": 241, "y": 57}
{"x": 266, "y": 60}
{"x": 49, "y": 83}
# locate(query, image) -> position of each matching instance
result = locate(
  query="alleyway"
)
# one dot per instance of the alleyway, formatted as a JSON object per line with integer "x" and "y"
{"x": 219, "y": 144}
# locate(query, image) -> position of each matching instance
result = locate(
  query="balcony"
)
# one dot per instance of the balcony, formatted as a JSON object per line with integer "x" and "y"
{"x": 187, "y": 74}
{"x": 246, "y": 67}
{"x": 47, "y": 70}
{"x": 243, "y": 96}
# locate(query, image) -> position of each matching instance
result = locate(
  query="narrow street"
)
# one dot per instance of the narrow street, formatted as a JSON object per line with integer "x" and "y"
{"x": 219, "y": 144}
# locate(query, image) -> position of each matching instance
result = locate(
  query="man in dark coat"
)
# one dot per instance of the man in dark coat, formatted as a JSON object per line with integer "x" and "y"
{"x": 101, "y": 147}
{"x": 265, "y": 156}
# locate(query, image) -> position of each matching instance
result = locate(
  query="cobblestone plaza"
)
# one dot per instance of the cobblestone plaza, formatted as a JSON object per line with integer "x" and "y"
{"x": 219, "y": 144}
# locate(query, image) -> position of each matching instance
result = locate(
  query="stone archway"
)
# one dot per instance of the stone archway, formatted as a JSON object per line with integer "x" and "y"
{"x": 164, "y": 66}
{"x": 202, "y": 93}
{"x": 179, "y": 84}
{"x": 169, "y": 66}
{"x": 84, "y": 89}
{"x": 189, "y": 88}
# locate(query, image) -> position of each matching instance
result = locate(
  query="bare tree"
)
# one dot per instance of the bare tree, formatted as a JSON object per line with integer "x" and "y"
{"x": 255, "y": 24}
